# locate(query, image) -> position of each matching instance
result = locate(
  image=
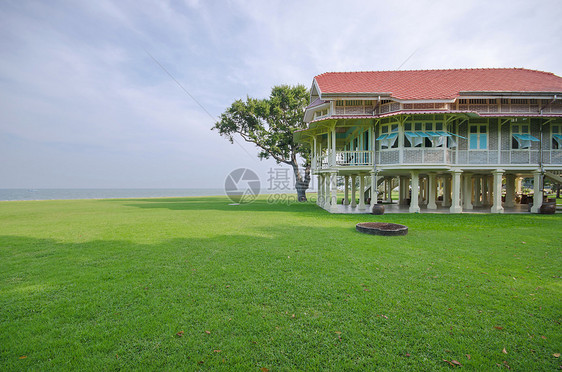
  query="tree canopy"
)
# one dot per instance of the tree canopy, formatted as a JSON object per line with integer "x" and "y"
{"x": 269, "y": 124}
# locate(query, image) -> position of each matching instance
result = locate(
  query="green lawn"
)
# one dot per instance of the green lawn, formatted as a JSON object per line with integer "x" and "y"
{"x": 195, "y": 283}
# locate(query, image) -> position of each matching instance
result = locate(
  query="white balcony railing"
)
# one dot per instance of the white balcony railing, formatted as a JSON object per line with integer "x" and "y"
{"x": 354, "y": 158}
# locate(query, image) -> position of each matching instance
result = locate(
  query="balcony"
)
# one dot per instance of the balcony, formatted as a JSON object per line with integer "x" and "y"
{"x": 411, "y": 156}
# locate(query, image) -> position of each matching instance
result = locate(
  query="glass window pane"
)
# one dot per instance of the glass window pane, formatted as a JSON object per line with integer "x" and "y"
{"x": 473, "y": 129}
{"x": 473, "y": 141}
{"x": 418, "y": 126}
{"x": 384, "y": 129}
{"x": 428, "y": 126}
{"x": 483, "y": 141}
{"x": 394, "y": 127}
{"x": 408, "y": 126}
{"x": 438, "y": 126}
{"x": 483, "y": 129}
{"x": 525, "y": 129}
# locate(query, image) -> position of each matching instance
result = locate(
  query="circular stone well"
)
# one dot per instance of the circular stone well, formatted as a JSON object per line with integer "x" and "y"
{"x": 382, "y": 228}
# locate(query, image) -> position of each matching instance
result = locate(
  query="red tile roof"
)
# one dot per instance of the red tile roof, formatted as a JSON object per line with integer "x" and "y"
{"x": 438, "y": 84}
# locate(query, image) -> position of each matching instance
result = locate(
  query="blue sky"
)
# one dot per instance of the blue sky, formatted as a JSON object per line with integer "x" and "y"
{"x": 82, "y": 103}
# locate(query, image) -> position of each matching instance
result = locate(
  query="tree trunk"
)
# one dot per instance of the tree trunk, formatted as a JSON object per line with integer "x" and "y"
{"x": 301, "y": 183}
{"x": 558, "y": 190}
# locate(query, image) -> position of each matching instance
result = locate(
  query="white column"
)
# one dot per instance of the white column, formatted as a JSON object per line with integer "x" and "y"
{"x": 389, "y": 190}
{"x": 334, "y": 192}
{"x": 319, "y": 197}
{"x": 497, "y": 191}
{"x": 362, "y": 192}
{"x": 374, "y": 195}
{"x": 327, "y": 190}
{"x": 446, "y": 191}
{"x": 490, "y": 181}
{"x": 518, "y": 182}
{"x": 477, "y": 191}
{"x": 414, "y": 202}
{"x": 537, "y": 189}
{"x": 509, "y": 191}
{"x": 314, "y": 153}
{"x": 456, "y": 191}
{"x": 432, "y": 186}
{"x": 467, "y": 191}
{"x": 485, "y": 190}
{"x": 333, "y": 147}
{"x": 404, "y": 181}
{"x": 353, "y": 191}
{"x": 346, "y": 191}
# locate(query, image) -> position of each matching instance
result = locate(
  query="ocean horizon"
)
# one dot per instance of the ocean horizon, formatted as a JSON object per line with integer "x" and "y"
{"x": 101, "y": 193}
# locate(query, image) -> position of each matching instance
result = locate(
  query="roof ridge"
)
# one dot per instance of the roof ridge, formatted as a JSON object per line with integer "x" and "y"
{"x": 439, "y": 69}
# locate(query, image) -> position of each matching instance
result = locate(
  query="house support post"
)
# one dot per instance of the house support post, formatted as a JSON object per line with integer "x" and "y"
{"x": 404, "y": 187}
{"x": 432, "y": 191}
{"x": 456, "y": 191}
{"x": 478, "y": 191}
{"x": 509, "y": 191}
{"x": 446, "y": 191}
{"x": 414, "y": 202}
{"x": 484, "y": 190}
{"x": 353, "y": 191}
{"x": 374, "y": 195}
{"x": 327, "y": 191}
{"x": 467, "y": 191}
{"x": 320, "y": 196}
{"x": 497, "y": 191}
{"x": 362, "y": 192}
{"x": 333, "y": 147}
{"x": 388, "y": 185}
{"x": 490, "y": 187}
{"x": 333, "y": 191}
{"x": 537, "y": 189}
{"x": 346, "y": 191}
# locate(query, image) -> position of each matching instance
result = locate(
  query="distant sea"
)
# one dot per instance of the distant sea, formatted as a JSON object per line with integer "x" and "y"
{"x": 61, "y": 194}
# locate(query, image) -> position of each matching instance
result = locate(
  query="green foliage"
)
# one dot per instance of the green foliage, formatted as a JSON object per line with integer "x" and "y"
{"x": 112, "y": 284}
{"x": 269, "y": 123}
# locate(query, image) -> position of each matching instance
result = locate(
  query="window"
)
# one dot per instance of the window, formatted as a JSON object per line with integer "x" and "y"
{"x": 427, "y": 134}
{"x": 388, "y": 136}
{"x": 520, "y": 137}
{"x": 478, "y": 101}
{"x": 478, "y": 137}
{"x": 339, "y": 103}
{"x": 557, "y": 136}
{"x": 354, "y": 103}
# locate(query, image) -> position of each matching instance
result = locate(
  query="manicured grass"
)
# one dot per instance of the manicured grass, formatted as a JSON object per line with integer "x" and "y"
{"x": 195, "y": 283}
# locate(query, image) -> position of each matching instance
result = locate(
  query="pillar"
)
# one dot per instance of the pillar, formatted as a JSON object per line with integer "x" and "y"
{"x": 497, "y": 191}
{"x": 537, "y": 189}
{"x": 362, "y": 192}
{"x": 374, "y": 193}
{"x": 432, "y": 191}
{"x": 490, "y": 187}
{"x": 477, "y": 191}
{"x": 404, "y": 186}
{"x": 518, "y": 186}
{"x": 485, "y": 190}
{"x": 346, "y": 191}
{"x": 319, "y": 196}
{"x": 456, "y": 191}
{"x": 446, "y": 191}
{"x": 509, "y": 191}
{"x": 467, "y": 192}
{"x": 353, "y": 191}
{"x": 388, "y": 184}
{"x": 414, "y": 202}
{"x": 334, "y": 192}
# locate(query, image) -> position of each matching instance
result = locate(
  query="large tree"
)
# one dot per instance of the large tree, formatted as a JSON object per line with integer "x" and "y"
{"x": 269, "y": 124}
